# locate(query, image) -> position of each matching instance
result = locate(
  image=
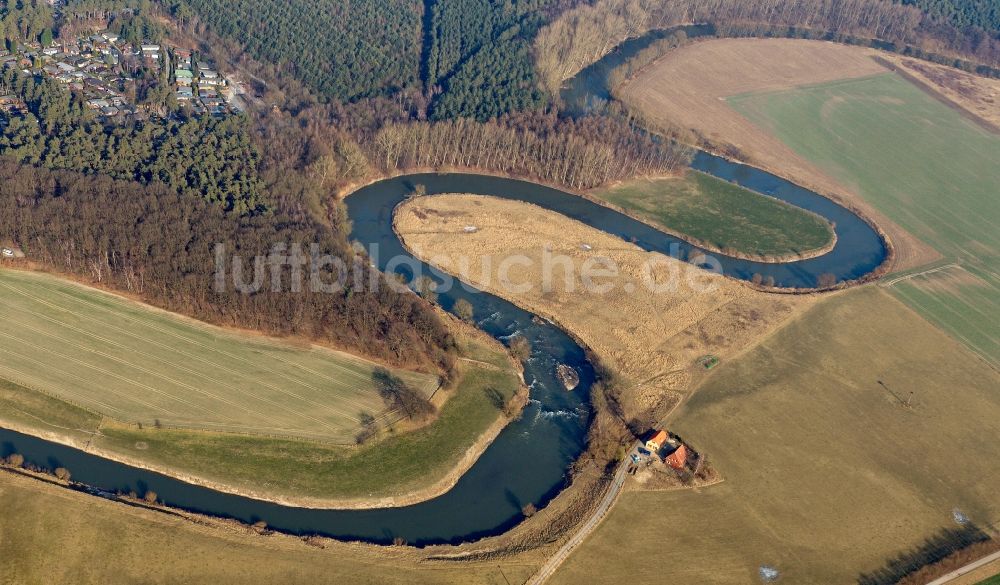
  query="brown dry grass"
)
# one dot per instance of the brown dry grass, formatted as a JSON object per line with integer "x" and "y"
{"x": 828, "y": 474}
{"x": 52, "y": 535}
{"x": 975, "y": 94}
{"x": 651, "y": 339}
{"x": 980, "y": 574}
{"x": 688, "y": 89}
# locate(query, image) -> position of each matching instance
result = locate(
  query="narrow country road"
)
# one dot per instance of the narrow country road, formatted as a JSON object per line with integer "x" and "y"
{"x": 966, "y": 569}
{"x": 600, "y": 512}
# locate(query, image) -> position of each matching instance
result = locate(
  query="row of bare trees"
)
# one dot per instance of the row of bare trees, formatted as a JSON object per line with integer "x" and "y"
{"x": 588, "y": 32}
{"x": 578, "y": 154}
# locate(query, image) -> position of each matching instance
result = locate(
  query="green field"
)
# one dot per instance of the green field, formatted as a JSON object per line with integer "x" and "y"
{"x": 396, "y": 465}
{"x": 722, "y": 215}
{"x": 139, "y": 365}
{"x": 921, "y": 164}
{"x": 827, "y": 473}
{"x": 398, "y": 462}
{"x": 995, "y": 580}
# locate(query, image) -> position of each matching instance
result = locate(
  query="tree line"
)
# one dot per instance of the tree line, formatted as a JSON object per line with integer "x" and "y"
{"x": 580, "y": 154}
{"x": 583, "y": 35}
{"x": 159, "y": 245}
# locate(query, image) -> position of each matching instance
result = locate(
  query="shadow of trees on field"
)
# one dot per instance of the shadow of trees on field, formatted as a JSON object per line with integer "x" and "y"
{"x": 935, "y": 548}
{"x": 496, "y": 398}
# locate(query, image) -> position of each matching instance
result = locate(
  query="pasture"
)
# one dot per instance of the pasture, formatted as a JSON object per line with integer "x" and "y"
{"x": 138, "y": 365}
{"x": 919, "y": 163}
{"x": 828, "y": 473}
{"x": 721, "y": 215}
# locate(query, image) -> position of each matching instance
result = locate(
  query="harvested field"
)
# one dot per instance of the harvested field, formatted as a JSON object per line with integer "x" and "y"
{"x": 722, "y": 216}
{"x": 689, "y": 89}
{"x": 139, "y": 365}
{"x": 52, "y": 535}
{"x": 650, "y": 338}
{"x": 828, "y": 474}
{"x": 920, "y": 163}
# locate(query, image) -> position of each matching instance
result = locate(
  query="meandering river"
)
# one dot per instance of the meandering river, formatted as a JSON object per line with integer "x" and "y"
{"x": 528, "y": 461}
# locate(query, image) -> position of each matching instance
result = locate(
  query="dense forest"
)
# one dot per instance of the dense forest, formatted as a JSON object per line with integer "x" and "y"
{"x": 24, "y": 20}
{"x": 159, "y": 244}
{"x": 478, "y": 57}
{"x": 341, "y": 50}
{"x": 982, "y": 14}
{"x": 210, "y": 157}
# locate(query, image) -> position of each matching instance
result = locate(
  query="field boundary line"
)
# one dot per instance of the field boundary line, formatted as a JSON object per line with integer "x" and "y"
{"x": 904, "y": 277}
{"x": 33, "y": 384}
{"x": 947, "y": 578}
{"x": 125, "y": 397}
{"x": 938, "y": 95}
{"x": 924, "y": 313}
{"x": 98, "y": 369}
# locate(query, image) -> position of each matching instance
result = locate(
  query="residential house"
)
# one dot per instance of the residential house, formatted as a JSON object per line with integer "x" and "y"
{"x": 678, "y": 459}
{"x": 658, "y": 440}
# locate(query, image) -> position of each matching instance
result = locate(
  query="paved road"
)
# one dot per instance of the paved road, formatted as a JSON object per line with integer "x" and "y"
{"x": 600, "y": 512}
{"x": 966, "y": 569}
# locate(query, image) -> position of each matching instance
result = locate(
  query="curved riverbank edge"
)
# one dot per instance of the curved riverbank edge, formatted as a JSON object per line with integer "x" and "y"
{"x": 439, "y": 487}
{"x": 888, "y": 263}
{"x": 708, "y": 247}
{"x": 587, "y": 194}
{"x": 884, "y": 268}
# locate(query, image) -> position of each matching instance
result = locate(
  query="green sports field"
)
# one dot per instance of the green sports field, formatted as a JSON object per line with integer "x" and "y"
{"x": 721, "y": 214}
{"x": 136, "y": 364}
{"x": 921, "y": 164}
